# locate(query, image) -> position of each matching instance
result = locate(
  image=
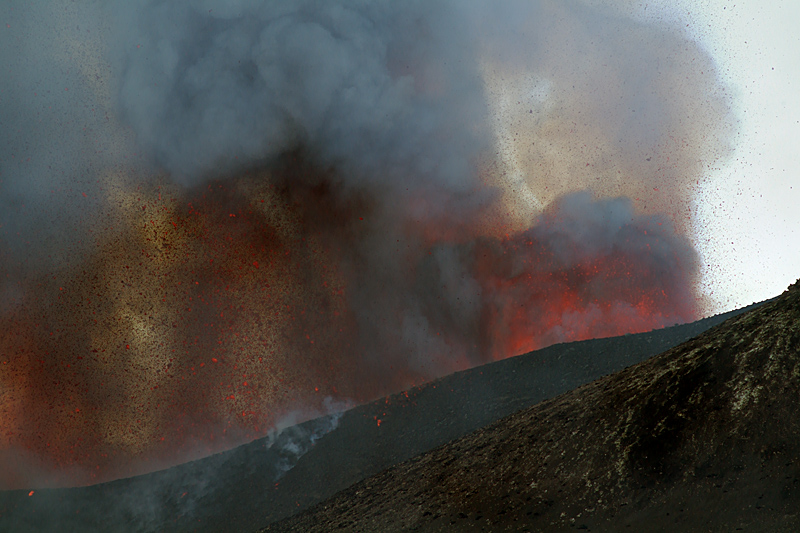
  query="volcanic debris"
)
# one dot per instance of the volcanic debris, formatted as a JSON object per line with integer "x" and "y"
{"x": 703, "y": 437}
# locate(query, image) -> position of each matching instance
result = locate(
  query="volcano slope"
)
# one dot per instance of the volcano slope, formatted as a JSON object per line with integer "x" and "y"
{"x": 703, "y": 437}
{"x": 245, "y": 489}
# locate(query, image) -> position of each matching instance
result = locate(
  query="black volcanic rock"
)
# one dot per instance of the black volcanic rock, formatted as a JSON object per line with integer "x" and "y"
{"x": 238, "y": 490}
{"x": 704, "y": 437}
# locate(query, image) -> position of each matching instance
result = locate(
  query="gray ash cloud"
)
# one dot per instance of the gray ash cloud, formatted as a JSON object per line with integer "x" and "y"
{"x": 370, "y": 128}
{"x": 368, "y": 87}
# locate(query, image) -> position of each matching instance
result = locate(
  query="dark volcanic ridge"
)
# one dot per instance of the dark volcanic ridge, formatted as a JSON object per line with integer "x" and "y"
{"x": 703, "y": 437}
{"x": 241, "y": 489}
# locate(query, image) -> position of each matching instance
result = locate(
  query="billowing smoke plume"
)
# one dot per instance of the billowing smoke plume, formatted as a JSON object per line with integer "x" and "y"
{"x": 364, "y": 86}
{"x": 217, "y": 213}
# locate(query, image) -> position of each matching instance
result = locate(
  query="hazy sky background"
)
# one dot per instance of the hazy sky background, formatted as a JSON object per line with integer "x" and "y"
{"x": 745, "y": 221}
{"x": 747, "y": 227}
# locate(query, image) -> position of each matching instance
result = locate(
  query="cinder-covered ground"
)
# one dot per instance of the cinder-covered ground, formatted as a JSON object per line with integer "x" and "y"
{"x": 704, "y": 437}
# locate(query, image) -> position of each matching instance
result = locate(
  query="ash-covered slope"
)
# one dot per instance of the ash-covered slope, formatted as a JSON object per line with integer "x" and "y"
{"x": 238, "y": 490}
{"x": 704, "y": 437}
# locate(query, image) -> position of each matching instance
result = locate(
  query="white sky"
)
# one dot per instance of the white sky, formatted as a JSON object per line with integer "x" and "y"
{"x": 748, "y": 223}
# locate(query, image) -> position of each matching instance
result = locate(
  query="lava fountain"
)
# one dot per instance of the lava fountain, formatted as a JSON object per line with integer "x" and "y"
{"x": 269, "y": 207}
{"x": 204, "y": 315}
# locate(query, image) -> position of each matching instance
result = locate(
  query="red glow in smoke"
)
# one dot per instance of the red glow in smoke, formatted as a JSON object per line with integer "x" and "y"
{"x": 167, "y": 343}
{"x": 197, "y": 324}
{"x": 568, "y": 312}
{"x": 571, "y": 278}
